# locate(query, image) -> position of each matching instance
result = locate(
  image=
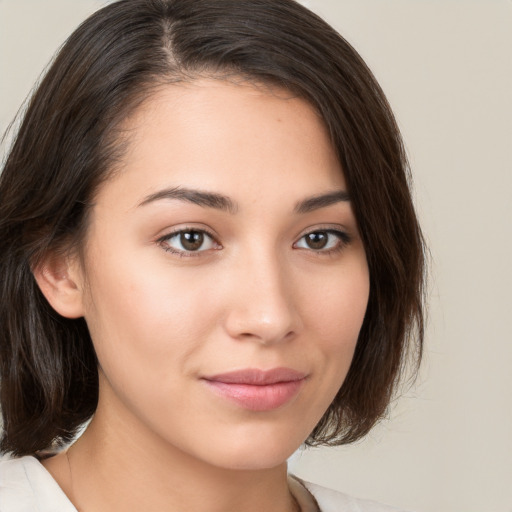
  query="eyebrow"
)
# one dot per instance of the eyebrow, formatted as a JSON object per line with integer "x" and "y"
{"x": 224, "y": 203}
{"x": 199, "y": 197}
{"x": 321, "y": 201}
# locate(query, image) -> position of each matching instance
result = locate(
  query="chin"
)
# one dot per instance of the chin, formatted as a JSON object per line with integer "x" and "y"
{"x": 254, "y": 452}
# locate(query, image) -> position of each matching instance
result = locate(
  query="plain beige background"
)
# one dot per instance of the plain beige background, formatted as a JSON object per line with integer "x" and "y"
{"x": 446, "y": 66}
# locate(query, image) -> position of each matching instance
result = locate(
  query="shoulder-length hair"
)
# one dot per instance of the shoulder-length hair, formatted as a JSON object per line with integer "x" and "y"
{"x": 68, "y": 144}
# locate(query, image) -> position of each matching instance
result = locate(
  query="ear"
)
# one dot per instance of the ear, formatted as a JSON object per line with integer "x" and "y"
{"x": 59, "y": 279}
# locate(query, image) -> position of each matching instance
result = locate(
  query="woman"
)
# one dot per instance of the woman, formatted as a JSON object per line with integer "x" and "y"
{"x": 208, "y": 247}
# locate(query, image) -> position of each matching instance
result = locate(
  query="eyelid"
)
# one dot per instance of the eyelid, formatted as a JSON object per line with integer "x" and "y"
{"x": 185, "y": 229}
{"x": 342, "y": 233}
{"x": 344, "y": 238}
{"x": 330, "y": 228}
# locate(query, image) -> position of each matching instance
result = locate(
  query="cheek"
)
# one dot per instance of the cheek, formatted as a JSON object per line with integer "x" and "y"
{"x": 146, "y": 335}
{"x": 335, "y": 317}
{"x": 337, "y": 308}
{"x": 144, "y": 319}
{"x": 333, "y": 312}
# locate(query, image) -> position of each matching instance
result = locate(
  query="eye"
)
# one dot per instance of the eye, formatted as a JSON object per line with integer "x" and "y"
{"x": 188, "y": 241}
{"x": 323, "y": 240}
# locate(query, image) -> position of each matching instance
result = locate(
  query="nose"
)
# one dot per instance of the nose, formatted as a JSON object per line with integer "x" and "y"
{"x": 263, "y": 306}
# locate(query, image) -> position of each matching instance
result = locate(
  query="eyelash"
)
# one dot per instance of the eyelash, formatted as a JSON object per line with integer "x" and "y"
{"x": 344, "y": 239}
{"x": 163, "y": 242}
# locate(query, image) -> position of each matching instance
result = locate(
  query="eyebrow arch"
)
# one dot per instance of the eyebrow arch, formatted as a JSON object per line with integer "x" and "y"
{"x": 321, "y": 201}
{"x": 224, "y": 203}
{"x": 199, "y": 197}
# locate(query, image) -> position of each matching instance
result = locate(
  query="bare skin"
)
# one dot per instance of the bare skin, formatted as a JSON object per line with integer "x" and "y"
{"x": 277, "y": 279}
{"x": 188, "y": 485}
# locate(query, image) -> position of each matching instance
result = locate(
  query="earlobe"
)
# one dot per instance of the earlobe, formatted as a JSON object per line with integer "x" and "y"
{"x": 59, "y": 280}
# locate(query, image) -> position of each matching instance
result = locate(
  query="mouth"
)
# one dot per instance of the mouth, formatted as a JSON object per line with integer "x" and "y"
{"x": 257, "y": 390}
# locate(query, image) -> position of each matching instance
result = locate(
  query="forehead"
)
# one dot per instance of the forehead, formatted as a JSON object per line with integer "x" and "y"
{"x": 237, "y": 136}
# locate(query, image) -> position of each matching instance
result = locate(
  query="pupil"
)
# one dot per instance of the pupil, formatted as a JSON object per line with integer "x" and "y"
{"x": 192, "y": 240}
{"x": 317, "y": 240}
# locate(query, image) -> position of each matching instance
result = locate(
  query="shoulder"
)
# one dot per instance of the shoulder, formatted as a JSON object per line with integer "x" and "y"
{"x": 26, "y": 486}
{"x": 330, "y": 500}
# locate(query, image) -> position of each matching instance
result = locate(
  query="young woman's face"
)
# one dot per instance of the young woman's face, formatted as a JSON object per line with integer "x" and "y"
{"x": 225, "y": 279}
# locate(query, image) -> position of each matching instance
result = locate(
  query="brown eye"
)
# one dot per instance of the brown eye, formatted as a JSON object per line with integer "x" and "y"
{"x": 191, "y": 240}
{"x": 317, "y": 240}
{"x": 323, "y": 241}
{"x": 188, "y": 241}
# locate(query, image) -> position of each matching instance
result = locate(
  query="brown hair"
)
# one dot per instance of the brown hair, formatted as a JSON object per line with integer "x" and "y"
{"x": 68, "y": 143}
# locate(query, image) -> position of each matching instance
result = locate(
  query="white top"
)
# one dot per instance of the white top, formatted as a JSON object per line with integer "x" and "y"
{"x": 26, "y": 486}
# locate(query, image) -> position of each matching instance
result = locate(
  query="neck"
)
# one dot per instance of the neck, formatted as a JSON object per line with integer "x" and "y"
{"x": 112, "y": 467}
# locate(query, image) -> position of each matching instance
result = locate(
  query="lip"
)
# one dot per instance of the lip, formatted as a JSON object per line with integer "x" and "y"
{"x": 257, "y": 390}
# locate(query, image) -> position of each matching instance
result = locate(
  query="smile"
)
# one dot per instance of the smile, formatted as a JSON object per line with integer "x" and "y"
{"x": 257, "y": 390}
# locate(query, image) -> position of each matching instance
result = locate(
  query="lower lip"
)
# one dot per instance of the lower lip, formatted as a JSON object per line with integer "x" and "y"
{"x": 257, "y": 398}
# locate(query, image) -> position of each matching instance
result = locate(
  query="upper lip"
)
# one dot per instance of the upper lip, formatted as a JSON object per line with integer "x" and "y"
{"x": 257, "y": 377}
